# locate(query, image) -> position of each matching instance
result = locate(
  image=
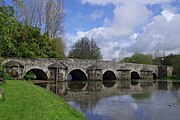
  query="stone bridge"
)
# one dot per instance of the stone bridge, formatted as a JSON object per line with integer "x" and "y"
{"x": 76, "y": 69}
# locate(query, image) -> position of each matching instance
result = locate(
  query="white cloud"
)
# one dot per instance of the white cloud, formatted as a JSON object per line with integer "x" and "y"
{"x": 70, "y": 40}
{"x": 134, "y": 36}
{"x": 127, "y": 18}
{"x": 96, "y": 15}
{"x": 115, "y": 2}
{"x": 162, "y": 34}
{"x": 100, "y": 2}
{"x": 118, "y": 37}
{"x": 92, "y": 16}
{"x": 114, "y": 35}
{"x": 168, "y": 15}
{"x": 111, "y": 46}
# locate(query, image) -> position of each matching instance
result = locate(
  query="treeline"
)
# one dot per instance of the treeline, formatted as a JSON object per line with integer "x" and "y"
{"x": 34, "y": 29}
{"x": 85, "y": 49}
{"x": 139, "y": 58}
{"x": 21, "y": 39}
{"x": 170, "y": 60}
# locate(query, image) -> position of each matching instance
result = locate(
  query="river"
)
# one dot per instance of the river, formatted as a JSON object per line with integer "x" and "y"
{"x": 122, "y": 100}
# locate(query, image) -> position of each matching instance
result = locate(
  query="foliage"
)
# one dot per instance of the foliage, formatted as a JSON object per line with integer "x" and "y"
{"x": 7, "y": 10}
{"x": 25, "y": 101}
{"x": 60, "y": 47}
{"x": 8, "y": 26}
{"x": 48, "y": 15}
{"x": 32, "y": 44}
{"x": 1, "y": 66}
{"x": 30, "y": 76}
{"x": 139, "y": 58}
{"x": 170, "y": 60}
{"x": 174, "y": 77}
{"x": 19, "y": 40}
{"x": 7, "y": 76}
{"x": 85, "y": 49}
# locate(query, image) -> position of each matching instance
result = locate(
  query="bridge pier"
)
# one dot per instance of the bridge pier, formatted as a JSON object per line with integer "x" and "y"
{"x": 123, "y": 74}
{"x": 146, "y": 74}
{"x": 15, "y": 69}
{"x": 94, "y": 86}
{"x": 58, "y": 72}
{"x": 95, "y": 72}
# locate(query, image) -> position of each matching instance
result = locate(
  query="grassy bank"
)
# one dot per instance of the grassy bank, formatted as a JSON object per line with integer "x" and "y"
{"x": 25, "y": 101}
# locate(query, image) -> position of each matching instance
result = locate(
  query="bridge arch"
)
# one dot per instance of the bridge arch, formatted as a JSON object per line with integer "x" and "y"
{"x": 75, "y": 79}
{"x": 109, "y": 75}
{"x": 134, "y": 78}
{"x": 77, "y": 75}
{"x": 134, "y": 75}
{"x": 155, "y": 76}
{"x": 36, "y": 74}
{"x": 108, "y": 79}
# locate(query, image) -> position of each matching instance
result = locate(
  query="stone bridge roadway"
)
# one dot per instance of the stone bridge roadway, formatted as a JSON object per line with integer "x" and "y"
{"x": 76, "y": 69}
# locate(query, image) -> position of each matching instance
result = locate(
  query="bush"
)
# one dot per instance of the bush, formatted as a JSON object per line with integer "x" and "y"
{"x": 174, "y": 77}
{"x": 6, "y": 76}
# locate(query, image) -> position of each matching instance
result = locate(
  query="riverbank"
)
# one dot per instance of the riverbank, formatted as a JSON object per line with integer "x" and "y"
{"x": 174, "y": 77}
{"x": 25, "y": 101}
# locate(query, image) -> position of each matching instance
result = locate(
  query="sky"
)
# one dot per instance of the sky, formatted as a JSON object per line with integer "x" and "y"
{"x": 123, "y": 27}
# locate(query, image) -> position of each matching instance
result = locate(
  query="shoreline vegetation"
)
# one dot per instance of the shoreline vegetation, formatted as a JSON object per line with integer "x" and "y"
{"x": 174, "y": 77}
{"x": 26, "y": 101}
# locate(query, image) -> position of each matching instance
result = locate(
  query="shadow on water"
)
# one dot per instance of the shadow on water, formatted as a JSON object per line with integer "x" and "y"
{"x": 76, "y": 85}
{"x": 134, "y": 82}
{"x": 109, "y": 83}
{"x": 176, "y": 85}
{"x": 144, "y": 100}
{"x": 162, "y": 85}
{"x": 134, "y": 78}
{"x": 109, "y": 79}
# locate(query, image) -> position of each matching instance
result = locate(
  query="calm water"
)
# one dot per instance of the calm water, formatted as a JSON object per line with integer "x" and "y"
{"x": 123, "y": 100}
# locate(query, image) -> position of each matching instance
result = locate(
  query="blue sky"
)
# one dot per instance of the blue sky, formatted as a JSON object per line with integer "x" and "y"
{"x": 122, "y": 27}
{"x": 80, "y": 17}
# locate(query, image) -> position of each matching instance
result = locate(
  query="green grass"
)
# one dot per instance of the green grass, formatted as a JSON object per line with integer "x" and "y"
{"x": 25, "y": 101}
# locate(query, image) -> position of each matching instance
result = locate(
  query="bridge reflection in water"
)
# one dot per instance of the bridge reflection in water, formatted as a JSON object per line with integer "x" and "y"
{"x": 116, "y": 100}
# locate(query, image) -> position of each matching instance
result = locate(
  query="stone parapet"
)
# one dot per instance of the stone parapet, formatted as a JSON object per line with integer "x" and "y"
{"x": 59, "y": 70}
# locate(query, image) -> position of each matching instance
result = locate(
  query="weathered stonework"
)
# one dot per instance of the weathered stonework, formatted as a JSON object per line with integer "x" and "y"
{"x": 169, "y": 70}
{"x": 1, "y": 80}
{"x": 146, "y": 74}
{"x": 123, "y": 74}
{"x": 94, "y": 86}
{"x": 14, "y": 68}
{"x": 58, "y": 70}
{"x": 95, "y": 72}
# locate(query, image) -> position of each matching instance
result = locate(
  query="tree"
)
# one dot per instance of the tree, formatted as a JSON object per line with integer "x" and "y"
{"x": 48, "y": 15}
{"x": 139, "y": 58}
{"x": 30, "y": 43}
{"x": 170, "y": 60}
{"x": 60, "y": 47}
{"x": 85, "y": 49}
{"x": 19, "y": 40}
{"x": 8, "y": 28}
